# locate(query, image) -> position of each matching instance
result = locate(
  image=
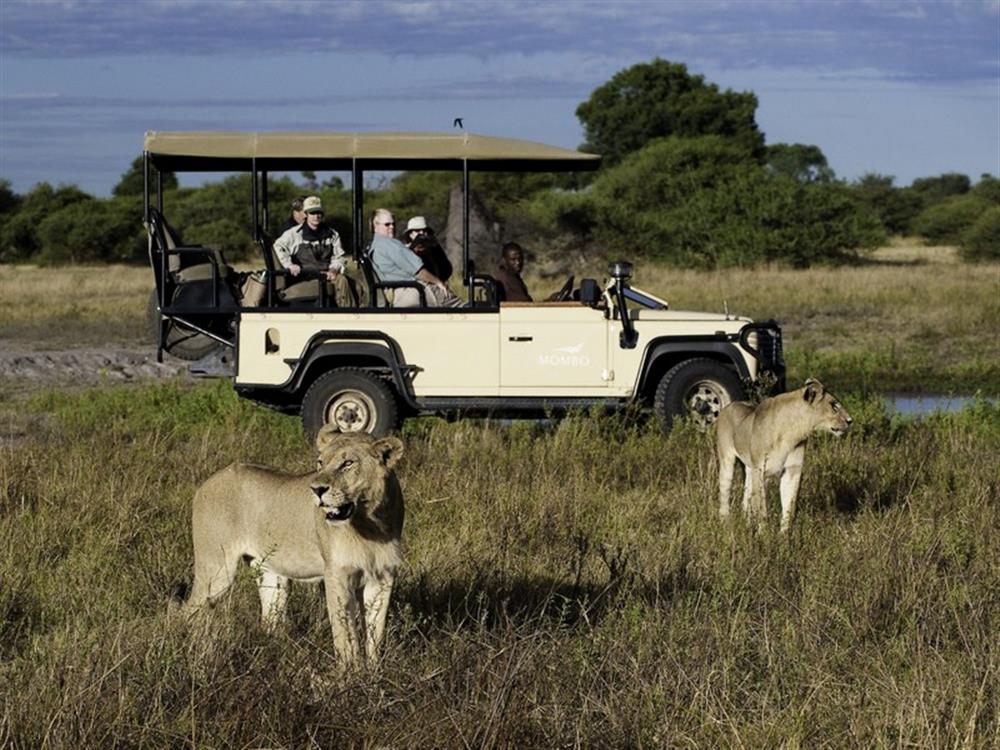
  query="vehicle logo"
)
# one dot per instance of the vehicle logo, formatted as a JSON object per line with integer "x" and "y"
{"x": 565, "y": 356}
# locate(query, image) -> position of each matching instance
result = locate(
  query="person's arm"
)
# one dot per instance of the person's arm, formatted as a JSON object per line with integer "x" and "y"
{"x": 428, "y": 278}
{"x": 283, "y": 249}
{"x": 337, "y": 259}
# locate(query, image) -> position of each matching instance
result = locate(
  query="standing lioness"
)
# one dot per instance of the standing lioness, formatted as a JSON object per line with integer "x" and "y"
{"x": 340, "y": 524}
{"x": 771, "y": 439}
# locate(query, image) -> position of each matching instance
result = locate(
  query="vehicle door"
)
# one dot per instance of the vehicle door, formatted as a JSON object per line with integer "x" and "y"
{"x": 561, "y": 347}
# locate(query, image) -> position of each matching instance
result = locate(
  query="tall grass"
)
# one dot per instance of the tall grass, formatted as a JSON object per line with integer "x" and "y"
{"x": 565, "y": 585}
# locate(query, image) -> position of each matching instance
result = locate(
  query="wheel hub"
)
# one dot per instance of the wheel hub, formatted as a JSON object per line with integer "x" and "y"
{"x": 705, "y": 400}
{"x": 351, "y": 411}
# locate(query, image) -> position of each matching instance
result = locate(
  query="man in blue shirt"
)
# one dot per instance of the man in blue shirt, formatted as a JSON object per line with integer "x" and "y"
{"x": 394, "y": 261}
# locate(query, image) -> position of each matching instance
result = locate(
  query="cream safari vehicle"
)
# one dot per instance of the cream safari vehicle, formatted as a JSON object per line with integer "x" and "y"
{"x": 367, "y": 367}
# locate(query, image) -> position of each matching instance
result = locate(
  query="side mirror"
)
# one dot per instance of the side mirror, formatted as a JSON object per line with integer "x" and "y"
{"x": 590, "y": 292}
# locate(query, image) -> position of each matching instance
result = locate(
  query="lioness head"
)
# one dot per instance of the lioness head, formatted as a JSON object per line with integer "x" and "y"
{"x": 829, "y": 414}
{"x": 351, "y": 472}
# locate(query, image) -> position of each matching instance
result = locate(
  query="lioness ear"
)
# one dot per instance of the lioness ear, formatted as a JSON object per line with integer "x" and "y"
{"x": 326, "y": 435}
{"x": 389, "y": 450}
{"x": 814, "y": 390}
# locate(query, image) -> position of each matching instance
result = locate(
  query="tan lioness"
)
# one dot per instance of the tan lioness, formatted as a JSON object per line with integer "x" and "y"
{"x": 770, "y": 439}
{"x": 340, "y": 524}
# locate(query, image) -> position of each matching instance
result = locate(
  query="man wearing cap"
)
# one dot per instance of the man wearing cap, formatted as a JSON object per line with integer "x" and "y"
{"x": 419, "y": 237}
{"x": 296, "y": 216}
{"x": 394, "y": 261}
{"x": 314, "y": 247}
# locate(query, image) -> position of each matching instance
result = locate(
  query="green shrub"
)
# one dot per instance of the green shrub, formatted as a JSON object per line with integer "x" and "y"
{"x": 981, "y": 241}
{"x": 705, "y": 202}
{"x": 945, "y": 222}
{"x": 93, "y": 231}
{"x": 894, "y": 207}
{"x": 19, "y": 239}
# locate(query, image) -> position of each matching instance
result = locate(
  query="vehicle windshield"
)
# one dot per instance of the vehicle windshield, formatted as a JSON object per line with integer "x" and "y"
{"x": 633, "y": 295}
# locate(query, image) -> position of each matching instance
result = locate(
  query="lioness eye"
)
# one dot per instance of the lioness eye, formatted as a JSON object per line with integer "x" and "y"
{"x": 836, "y": 406}
{"x": 347, "y": 464}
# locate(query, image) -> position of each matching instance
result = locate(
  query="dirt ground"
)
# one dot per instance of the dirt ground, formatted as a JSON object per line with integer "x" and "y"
{"x": 28, "y": 369}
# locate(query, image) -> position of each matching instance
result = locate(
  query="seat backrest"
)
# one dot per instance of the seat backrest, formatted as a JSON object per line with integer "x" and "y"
{"x": 376, "y": 297}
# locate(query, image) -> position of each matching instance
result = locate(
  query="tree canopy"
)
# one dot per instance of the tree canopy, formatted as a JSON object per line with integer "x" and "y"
{"x": 660, "y": 99}
{"x": 799, "y": 161}
{"x": 131, "y": 181}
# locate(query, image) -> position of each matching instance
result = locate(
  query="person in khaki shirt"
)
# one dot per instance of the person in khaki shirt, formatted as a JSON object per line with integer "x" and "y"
{"x": 314, "y": 247}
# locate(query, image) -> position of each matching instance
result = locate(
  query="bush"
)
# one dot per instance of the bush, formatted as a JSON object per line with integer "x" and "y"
{"x": 893, "y": 206}
{"x": 19, "y": 233}
{"x": 705, "y": 202}
{"x": 93, "y": 230}
{"x": 981, "y": 241}
{"x": 945, "y": 222}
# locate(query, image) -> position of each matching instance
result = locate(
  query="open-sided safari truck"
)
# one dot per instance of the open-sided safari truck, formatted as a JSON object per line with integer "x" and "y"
{"x": 367, "y": 367}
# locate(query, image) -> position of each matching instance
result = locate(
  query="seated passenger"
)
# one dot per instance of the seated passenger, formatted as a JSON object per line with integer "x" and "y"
{"x": 314, "y": 247}
{"x": 296, "y": 217}
{"x": 510, "y": 285}
{"x": 393, "y": 261}
{"x": 419, "y": 237}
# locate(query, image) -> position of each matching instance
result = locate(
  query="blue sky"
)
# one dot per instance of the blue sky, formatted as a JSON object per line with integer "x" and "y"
{"x": 908, "y": 89}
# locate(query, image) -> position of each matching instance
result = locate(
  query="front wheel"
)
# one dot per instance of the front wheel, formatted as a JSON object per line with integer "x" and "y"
{"x": 352, "y": 399}
{"x": 698, "y": 389}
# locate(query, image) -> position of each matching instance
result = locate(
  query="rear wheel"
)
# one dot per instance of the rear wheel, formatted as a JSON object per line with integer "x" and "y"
{"x": 179, "y": 341}
{"x": 352, "y": 399}
{"x": 698, "y": 389}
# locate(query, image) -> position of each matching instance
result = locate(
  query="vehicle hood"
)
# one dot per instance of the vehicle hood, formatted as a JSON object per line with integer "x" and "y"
{"x": 679, "y": 315}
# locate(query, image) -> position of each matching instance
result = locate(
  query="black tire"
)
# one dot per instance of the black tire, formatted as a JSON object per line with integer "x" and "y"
{"x": 179, "y": 341}
{"x": 698, "y": 389}
{"x": 354, "y": 399}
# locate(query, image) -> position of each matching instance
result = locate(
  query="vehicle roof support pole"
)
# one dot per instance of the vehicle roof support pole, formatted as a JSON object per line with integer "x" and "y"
{"x": 357, "y": 207}
{"x": 254, "y": 197}
{"x": 263, "y": 204}
{"x": 466, "y": 270}
{"x": 145, "y": 187}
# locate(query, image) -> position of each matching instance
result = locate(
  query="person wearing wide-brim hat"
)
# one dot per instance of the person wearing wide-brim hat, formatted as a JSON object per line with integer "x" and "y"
{"x": 419, "y": 237}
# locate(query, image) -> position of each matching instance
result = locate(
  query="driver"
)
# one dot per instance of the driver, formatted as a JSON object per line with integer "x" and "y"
{"x": 510, "y": 285}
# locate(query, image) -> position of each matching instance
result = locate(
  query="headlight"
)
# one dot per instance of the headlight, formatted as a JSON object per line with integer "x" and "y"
{"x": 620, "y": 270}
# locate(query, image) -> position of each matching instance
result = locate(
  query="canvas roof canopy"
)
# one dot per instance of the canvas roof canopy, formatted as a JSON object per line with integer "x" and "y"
{"x": 294, "y": 151}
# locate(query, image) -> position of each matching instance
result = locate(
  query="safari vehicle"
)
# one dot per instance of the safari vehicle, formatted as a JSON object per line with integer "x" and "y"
{"x": 367, "y": 367}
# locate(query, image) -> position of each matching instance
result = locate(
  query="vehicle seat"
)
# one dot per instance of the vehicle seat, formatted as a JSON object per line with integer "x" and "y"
{"x": 186, "y": 262}
{"x": 377, "y": 287}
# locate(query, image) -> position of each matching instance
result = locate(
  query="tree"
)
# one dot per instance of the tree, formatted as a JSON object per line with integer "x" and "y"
{"x": 93, "y": 231}
{"x": 948, "y": 221}
{"x": 131, "y": 182}
{"x": 9, "y": 200}
{"x": 800, "y": 162}
{"x": 19, "y": 238}
{"x": 981, "y": 241}
{"x": 936, "y": 189}
{"x": 705, "y": 202}
{"x": 896, "y": 208}
{"x": 660, "y": 99}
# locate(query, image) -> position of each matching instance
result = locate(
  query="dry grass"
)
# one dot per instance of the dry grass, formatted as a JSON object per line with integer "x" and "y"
{"x": 72, "y": 306}
{"x": 565, "y": 587}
